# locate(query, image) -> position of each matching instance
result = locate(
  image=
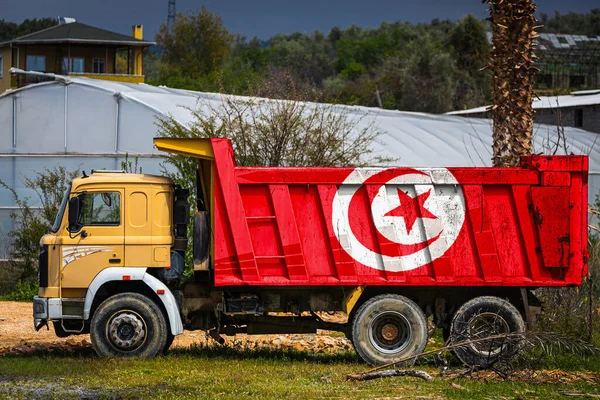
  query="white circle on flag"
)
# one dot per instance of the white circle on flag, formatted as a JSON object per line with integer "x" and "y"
{"x": 435, "y": 191}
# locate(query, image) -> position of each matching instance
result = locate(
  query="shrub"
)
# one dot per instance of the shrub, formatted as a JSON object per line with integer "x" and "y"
{"x": 31, "y": 223}
{"x": 267, "y": 132}
{"x": 23, "y": 291}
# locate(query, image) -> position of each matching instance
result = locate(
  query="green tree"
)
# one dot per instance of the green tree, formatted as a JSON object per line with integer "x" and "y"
{"x": 308, "y": 57}
{"x": 10, "y": 30}
{"x": 470, "y": 48}
{"x": 393, "y": 65}
{"x": 572, "y": 23}
{"x": 429, "y": 85}
{"x": 152, "y": 67}
{"x": 469, "y": 43}
{"x": 422, "y": 79}
{"x": 197, "y": 44}
{"x": 370, "y": 47}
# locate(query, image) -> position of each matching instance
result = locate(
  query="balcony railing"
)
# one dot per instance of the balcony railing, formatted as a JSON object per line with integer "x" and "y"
{"x": 110, "y": 77}
{"x": 21, "y": 80}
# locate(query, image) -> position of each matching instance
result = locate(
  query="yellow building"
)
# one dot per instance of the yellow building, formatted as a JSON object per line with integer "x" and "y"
{"x": 74, "y": 49}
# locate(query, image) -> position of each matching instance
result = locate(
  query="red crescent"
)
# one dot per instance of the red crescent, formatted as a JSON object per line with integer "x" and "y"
{"x": 365, "y": 230}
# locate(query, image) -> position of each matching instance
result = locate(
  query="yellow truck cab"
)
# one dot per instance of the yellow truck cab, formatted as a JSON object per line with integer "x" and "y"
{"x": 119, "y": 226}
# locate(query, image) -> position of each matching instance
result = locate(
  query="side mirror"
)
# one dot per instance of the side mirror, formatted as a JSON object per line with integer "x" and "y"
{"x": 106, "y": 199}
{"x": 73, "y": 214}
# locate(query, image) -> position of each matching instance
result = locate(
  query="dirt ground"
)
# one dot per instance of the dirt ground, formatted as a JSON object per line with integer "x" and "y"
{"x": 17, "y": 334}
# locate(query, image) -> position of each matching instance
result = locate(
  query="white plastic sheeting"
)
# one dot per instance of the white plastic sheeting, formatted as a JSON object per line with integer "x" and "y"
{"x": 576, "y": 99}
{"x": 91, "y": 124}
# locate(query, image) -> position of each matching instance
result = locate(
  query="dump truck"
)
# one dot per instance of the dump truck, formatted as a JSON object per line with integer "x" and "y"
{"x": 134, "y": 260}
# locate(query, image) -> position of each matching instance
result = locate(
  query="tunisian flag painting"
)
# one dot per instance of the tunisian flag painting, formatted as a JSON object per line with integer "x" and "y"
{"x": 299, "y": 226}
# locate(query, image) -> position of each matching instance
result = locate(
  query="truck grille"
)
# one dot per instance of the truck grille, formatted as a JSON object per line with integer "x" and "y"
{"x": 43, "y": 266}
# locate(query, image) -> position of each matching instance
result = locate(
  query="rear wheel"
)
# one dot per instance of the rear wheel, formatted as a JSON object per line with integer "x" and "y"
{"x": 482, "y": 317}
{"x": 388, "y": 328}
{"x": 128, "y": 325}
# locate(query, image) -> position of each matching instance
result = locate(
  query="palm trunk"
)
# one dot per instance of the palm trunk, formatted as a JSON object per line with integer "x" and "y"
{"x": 513, "y": 74}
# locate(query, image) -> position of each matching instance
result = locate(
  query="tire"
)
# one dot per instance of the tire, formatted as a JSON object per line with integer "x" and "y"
{"x": 481, "y": 317}
{"x": 388, "y": 328}
{"x": 348, "y": 330}
{"x": 128, "y": 325}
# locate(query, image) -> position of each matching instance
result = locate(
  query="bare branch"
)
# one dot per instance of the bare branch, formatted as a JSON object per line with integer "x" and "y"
{"x": 388, "y": 373}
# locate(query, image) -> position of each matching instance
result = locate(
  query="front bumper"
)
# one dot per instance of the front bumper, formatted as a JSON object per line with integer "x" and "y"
{"x": 44, "y": 310}
{"x": 40, "y": 312}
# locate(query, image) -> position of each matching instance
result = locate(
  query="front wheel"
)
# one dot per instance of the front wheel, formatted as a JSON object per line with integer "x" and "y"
{"x": 388, "y": 328}
{"x": 128, "y": 325}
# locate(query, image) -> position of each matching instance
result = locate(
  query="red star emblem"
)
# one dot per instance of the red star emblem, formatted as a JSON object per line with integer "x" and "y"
{"x": 411, "y": 208}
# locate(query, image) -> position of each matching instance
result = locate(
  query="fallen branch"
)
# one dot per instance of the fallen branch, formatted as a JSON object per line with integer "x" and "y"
{"x": 445, "y": 348}
{"x": 390, "y": 372}
{"x": 532, "y": 337}
{"x": 594, "y": 228}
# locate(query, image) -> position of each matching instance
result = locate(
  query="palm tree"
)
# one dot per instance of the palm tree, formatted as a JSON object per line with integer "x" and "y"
{"x": 513, "y": 74}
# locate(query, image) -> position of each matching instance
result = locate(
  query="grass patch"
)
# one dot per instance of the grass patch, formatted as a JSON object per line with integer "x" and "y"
{"x": 563, "y": 361}
{"x": 240, "y": 372}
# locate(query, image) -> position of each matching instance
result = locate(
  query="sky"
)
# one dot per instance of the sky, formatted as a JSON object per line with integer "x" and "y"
{"x": 263, "y": 18}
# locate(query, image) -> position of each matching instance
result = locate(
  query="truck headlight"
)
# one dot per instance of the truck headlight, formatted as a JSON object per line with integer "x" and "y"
{"x": 38, "y": 308}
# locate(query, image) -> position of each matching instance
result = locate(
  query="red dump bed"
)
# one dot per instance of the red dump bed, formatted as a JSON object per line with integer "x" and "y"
{"x": 400, "y": 226}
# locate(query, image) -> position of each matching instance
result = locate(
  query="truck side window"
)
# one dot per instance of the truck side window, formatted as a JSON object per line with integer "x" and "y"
{"x": 101, "y": 208}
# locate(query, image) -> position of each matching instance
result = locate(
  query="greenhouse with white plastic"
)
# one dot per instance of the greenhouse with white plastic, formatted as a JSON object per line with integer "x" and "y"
{"x": 89, "y": 124}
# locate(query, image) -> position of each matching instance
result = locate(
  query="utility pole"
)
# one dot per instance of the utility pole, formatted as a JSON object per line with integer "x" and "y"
{"x": 171, "y": 14}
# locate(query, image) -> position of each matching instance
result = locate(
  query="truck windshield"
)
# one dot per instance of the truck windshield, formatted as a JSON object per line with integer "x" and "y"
{"x": 61, "y": 211}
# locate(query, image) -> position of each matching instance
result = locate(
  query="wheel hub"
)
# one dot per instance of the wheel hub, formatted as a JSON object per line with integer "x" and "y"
{"x": 485, "y": 325}
{"x": 390, "y": 332}
{"x": 127, "y": 331}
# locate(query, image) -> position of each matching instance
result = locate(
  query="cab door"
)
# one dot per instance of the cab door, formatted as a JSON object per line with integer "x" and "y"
{"x": 99, "y": 244}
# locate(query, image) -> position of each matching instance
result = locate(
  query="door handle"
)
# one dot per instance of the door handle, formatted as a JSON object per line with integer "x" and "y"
{"x": 114, "y": 260}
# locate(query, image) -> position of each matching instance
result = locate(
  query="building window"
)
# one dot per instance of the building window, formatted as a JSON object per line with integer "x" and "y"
{"x": 1, "y": 66}
{"x": 35, "y": 63}
{"x": 578, "y": 117}
{"x": 76, "y": 65}
{"x": 98, "y": 66}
